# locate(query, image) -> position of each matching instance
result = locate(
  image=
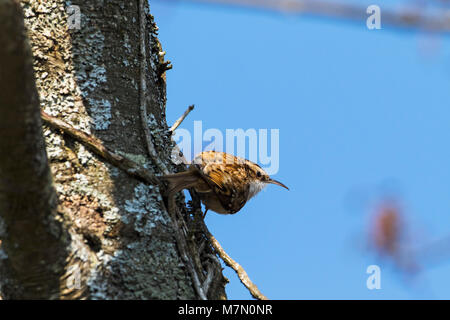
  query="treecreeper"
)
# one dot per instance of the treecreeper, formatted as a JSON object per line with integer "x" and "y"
{"x": 223, "y": 181}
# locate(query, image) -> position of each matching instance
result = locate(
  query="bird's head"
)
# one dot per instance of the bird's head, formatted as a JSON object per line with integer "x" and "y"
{"x": 260, "y": 179}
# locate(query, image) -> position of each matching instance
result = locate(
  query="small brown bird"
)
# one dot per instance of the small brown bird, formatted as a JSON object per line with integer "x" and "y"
{"x": 224, "y": 182}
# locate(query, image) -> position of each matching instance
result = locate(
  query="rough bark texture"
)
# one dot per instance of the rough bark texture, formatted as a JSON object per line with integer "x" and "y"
{"x": 27, "y": 197}
{"x": 118, "y": 241}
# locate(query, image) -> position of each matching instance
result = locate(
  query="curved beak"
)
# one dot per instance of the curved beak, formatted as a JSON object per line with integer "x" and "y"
{"x": 278, "y": 183}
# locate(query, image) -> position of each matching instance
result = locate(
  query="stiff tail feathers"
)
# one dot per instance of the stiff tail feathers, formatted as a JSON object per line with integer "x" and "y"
{"x": 180, "y": 181}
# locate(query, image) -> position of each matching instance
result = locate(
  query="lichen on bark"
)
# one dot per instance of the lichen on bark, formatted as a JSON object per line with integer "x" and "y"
{"x": 119, "y": 241}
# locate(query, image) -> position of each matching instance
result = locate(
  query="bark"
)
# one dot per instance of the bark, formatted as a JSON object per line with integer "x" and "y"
{"x": 110, "y": 235}
{"x": 33, "y": 241}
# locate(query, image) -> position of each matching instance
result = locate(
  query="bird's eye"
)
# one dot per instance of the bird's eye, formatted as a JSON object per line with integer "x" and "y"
{"x": 258, "y": 174}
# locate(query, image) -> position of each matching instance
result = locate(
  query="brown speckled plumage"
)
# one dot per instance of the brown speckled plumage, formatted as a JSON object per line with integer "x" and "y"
{"x": 224, "y": 182}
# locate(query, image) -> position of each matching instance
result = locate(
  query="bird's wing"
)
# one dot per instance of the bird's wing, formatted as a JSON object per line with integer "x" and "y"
{"x": 225, "y": 178}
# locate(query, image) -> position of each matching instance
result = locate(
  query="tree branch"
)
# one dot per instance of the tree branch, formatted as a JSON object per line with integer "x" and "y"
{"x": 180, "y": 120}
{"x": 96, "y": 146}
{"x": 243, "y": 276}
{"x": 410, "y": 18}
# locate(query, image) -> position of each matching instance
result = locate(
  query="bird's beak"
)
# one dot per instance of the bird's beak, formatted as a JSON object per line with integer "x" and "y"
{"x": 278, "y": 183}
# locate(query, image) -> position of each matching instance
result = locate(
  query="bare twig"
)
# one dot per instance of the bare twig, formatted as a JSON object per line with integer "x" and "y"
{"x": 252, "y": 288}
{"x": 176, "y": 151}
{"x": 409, "y": 18}
{"x": 180, "y": 120}
{"x": 143, "y": 91}
{"x": 211, "y": 271}
{"x": 183, "y": 248}
{"x": 209, "y": 277}
{"x": 96, "y": 146}
{"x": 214, "y": 258}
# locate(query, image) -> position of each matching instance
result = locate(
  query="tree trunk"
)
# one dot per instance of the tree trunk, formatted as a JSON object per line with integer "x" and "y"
{"x": 96, "y": 232}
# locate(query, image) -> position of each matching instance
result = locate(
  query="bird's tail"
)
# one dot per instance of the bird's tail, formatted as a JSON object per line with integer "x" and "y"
{"x": 180, "y": 181}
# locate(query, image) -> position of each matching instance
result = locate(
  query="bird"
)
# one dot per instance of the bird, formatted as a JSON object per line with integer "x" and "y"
{"x": 224, "y": 182}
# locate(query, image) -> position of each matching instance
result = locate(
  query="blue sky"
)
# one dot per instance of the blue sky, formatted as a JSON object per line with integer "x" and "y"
{"x": 361, "y": 113}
